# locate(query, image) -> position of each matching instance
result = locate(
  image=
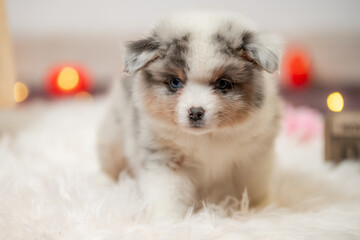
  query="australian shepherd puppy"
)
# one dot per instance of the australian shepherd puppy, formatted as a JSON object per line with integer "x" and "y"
{"x": 196, "y": 114}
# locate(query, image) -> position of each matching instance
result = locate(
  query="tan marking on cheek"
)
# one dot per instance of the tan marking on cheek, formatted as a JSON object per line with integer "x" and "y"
{"x": 232, "y": 112}
{"x": 161, "y": 107}
{"x": 247, "y": 90}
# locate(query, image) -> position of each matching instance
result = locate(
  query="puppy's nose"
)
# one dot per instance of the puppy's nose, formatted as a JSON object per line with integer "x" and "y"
{"x": 196, "y": 113}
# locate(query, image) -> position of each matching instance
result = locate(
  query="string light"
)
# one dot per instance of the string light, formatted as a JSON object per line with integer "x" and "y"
{"x": 68, "y": 79}
{"x": 335, "y": 102}
{"x": 21, "y": 92}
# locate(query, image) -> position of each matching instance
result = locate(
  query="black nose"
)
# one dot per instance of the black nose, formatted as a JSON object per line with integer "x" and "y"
{"x": 196, "y": 113}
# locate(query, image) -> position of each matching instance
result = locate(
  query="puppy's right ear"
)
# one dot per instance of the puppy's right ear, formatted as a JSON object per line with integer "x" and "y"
{"x": 141, "y": 52}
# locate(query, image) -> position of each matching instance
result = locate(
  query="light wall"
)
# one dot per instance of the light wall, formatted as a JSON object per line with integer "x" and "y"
{"x": 127, "y": 15}
{"x": 91, "y": 31}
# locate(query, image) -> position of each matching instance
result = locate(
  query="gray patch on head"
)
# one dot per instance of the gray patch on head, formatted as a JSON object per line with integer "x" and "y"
{"x": 177, "y": 51}
{"x": 247, "y": 37}
{"x": 173, "y": 57}
{"x": 250, "y": 46}
{"x": 169, "y": 64}
{"x": 224, "y": 44}
{"x": 232, "y": 46}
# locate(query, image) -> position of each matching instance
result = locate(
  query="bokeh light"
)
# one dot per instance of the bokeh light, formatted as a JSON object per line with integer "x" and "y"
{"x": 68, "y": 79}
{"x": 21, "y": 92}
{"x": 296, "y": 68}
{"x": 335, "y": 102}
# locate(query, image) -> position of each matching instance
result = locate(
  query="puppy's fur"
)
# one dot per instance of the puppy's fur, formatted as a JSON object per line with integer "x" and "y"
{"x": 151, "y": 130}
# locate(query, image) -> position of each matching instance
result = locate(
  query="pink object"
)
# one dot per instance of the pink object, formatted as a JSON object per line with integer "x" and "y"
{"x": 302, "y": 123}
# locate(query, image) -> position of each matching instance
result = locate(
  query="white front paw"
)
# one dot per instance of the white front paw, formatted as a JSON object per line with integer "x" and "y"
{"x": 161, "y": 211}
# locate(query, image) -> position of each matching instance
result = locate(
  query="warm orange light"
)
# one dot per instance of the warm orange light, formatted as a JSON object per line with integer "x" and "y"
{"x": 21, "y": 92}
{"x": 335, "y": 102}
{"x": 68, "y": 79}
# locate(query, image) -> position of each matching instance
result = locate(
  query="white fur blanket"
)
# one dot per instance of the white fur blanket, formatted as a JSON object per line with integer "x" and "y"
{"x": 51, "y": 188}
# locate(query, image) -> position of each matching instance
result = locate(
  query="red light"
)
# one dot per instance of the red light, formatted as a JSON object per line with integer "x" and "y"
{"x": 67, "y": 80}
{"x": 296, "y": 68}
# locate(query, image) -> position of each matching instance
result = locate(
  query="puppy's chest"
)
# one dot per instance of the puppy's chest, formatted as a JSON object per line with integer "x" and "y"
{"x": 211, "y": 157}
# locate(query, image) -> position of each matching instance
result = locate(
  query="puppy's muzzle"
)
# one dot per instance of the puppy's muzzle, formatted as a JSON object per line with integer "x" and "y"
{"x": 196, "y": 115}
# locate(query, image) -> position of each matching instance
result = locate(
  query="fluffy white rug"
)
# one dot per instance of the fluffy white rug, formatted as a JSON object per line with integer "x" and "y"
{"x": 51, "y": 188}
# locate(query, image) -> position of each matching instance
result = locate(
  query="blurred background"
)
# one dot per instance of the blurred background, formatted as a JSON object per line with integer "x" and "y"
{"x": 54, "y": 41}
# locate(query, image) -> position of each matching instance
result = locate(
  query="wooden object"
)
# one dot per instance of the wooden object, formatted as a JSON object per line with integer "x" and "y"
{"x": 7, "y": 69}
{"x": 342, "y": 136}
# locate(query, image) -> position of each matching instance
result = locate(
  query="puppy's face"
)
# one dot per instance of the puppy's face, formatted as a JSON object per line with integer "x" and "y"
{"x": 204, "y": 81}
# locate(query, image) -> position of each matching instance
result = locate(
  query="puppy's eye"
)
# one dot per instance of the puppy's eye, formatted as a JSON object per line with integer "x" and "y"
{"x": 175, "y": 83}
{"x": 222, "y": 84}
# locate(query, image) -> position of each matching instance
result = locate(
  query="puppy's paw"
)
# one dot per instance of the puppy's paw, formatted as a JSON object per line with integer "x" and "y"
{"x": 159, "y": 212}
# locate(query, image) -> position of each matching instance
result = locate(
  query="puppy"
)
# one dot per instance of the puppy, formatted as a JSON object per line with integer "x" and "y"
{"x": 196, "y": 116}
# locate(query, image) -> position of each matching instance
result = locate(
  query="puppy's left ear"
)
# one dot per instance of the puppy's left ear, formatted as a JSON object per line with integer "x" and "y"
{"x": 265, "y": 50}
{"x": 141, "y": 52}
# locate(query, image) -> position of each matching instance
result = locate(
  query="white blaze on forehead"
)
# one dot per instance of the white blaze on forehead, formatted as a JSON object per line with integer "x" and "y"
{"x": 197, "y": 95}
{"x": 203, "y": 59}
